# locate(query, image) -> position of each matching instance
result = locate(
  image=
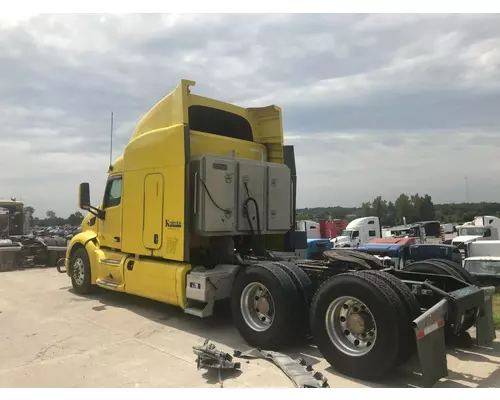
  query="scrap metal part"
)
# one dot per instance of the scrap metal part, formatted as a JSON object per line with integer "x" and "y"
{"x": 29, "y": 250}
{"x": 210, "y": 357}
{"x": 298, "y": 370}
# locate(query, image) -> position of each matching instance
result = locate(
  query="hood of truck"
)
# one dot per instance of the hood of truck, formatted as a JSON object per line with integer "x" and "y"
{"x": 339, "y": 240}
{"x": 465, "y": 239}
{"x": 483, "y": 258}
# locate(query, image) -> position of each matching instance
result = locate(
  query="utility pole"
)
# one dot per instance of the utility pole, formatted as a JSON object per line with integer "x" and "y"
{"x": 466, "y": 190}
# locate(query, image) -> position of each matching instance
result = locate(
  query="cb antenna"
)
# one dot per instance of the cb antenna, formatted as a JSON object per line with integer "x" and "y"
{"x": 111, "y": 144}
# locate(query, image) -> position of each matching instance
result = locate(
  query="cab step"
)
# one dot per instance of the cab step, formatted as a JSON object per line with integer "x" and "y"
{"x": 199, "y": 309}
{"x": 109, "y": 284}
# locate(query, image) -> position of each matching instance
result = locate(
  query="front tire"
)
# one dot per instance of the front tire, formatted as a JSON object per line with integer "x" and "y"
{"x": 80, "y": 272}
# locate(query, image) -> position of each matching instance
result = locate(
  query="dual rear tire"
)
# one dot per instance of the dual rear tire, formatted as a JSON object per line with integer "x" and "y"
{"x": 372, "y": 332}
{"x": 269, "y": 304}
{"x": 360, "y": 321}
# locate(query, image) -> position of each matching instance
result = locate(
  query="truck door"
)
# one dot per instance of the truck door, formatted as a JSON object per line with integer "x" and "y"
{"x": 110, "y": 228}
{"x": 355, "y": 239}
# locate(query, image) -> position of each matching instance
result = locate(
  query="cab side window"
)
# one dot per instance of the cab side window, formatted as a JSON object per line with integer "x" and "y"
{"x": 113, "y": 194}
{"x": 355, "y": 234}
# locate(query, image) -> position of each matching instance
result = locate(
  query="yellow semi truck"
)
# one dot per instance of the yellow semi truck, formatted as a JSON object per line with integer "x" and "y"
{"x": 201, "y": 207}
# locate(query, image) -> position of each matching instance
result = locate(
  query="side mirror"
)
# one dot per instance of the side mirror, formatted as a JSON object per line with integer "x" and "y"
{"x": 84, "y": 196}
{"x": 84, "y": 201}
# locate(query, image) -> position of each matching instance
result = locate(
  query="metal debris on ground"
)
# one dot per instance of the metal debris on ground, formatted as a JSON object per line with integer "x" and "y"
{"x": 211, "y": 358}
{"x": 298, "y": 370}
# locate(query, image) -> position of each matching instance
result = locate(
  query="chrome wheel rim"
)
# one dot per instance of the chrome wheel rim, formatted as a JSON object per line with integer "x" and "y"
{"x": 78, "y": 271}
{"x": 351, "y": 326}
{"x": 257, "y": 306}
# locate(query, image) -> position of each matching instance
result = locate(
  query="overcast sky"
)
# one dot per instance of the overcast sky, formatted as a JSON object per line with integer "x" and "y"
{"x": 374, "y": 104}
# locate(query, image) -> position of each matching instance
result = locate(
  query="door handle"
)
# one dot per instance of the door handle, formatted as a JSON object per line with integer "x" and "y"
{"x": 155, "y": 238}
{"x": 116, "y": 239}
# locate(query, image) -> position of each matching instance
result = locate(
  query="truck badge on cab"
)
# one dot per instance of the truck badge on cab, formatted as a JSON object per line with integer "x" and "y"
{"x": 173, "y": 224}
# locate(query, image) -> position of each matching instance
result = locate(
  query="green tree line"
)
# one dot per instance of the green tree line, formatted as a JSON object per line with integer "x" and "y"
{"x": 51, "y": 219}
{"x": 412, "y": 207}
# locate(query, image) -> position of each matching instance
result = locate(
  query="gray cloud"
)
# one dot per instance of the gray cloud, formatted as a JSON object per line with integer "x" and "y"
{"x": 375, "y": 104}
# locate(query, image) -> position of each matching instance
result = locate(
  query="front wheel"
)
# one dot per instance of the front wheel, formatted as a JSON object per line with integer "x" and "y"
{"x": 80, "y": 272}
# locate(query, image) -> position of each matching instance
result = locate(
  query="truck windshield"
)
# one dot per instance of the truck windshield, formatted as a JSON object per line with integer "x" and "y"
{"x": 472, "y": 231}
{"x": 346, "y": 233}
{"x": 483, "y": 267}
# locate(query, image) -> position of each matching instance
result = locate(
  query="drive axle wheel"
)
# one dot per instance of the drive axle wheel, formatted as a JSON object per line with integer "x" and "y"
{"x": 264, "y": 302}
{"x": 351, "y": 326}
{"x": 412, "y": 310}
{"x": 257, "y": 306}
{"x": 80, "y": 272}
{"x": 356, "y": 322}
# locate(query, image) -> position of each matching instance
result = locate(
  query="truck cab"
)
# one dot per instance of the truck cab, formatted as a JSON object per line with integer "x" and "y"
{"x": 311, "y": 228}
{"x": 360, "y": 230}
{"x": 473, "y": 233}
{"x": 198, "y": 179}
{"x": 483, "y": 261}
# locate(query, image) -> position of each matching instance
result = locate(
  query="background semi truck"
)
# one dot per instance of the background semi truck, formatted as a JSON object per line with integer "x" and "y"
{"x": 481, "y": 228}
{"x": 359, "y": 230}
{"x": 201, "y": 207}
{"x": 483, "y": 261}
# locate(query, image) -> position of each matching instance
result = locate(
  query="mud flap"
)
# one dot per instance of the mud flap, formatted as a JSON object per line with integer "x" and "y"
{"x": 431, "y": 348}
{"x": 485, "y": 329}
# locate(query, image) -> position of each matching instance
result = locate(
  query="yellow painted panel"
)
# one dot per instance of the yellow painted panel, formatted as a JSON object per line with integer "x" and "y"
{"x": 158, "y": 152}
{"x": 153, "y": 211}
{"x": 203, "y": 143}
{"x": 133, "y": 212}
{"x": 155, "y": 149}
{"x": 180, "y": 283}
{"x": 94, "y": 261}
{"x": 268, "y": 129}
{"x": 107, "y": 271}
{"x": 171, "y": 110}
{"x": 173, "y": 213}
{"x": 154, "y": 279}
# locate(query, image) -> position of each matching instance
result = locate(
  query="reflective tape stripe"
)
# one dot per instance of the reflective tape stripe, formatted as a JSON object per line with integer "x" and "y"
{"x": 430, "y": 329}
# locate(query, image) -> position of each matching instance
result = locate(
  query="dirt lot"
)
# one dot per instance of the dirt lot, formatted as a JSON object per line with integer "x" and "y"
{"x": 52, "y": 337}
